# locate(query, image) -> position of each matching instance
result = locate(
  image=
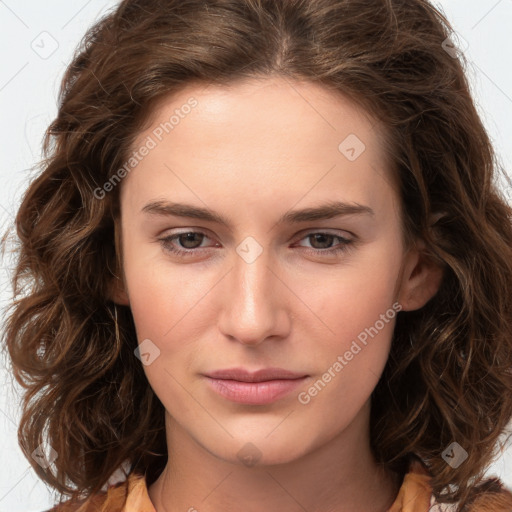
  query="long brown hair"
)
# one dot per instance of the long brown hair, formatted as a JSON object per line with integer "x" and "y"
{"x": 448, "y": 376}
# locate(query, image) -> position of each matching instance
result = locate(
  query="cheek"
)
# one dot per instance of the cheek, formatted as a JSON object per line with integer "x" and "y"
{"x": 168, "y": 308}
{"x": 151, "y": 302}
{"x": 350, "y": 359}
{"x": 162, "y": 305}
{"x": 160, "y": 293}
{"x": 359, "y": 308}
{"x": 354, "y": 298}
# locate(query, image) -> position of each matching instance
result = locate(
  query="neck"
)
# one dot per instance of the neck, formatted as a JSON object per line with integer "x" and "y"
{"x": 338, "y": 476}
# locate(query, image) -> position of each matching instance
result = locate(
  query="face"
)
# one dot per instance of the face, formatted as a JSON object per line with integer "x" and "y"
{"x": 256, "y": 284}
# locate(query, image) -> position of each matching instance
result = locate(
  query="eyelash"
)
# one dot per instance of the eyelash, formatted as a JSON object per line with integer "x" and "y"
{"x": 343, "y": 246}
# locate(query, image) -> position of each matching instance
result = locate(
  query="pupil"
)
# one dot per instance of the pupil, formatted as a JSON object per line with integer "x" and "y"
{"x": 189, "y": 238}
{"x": 328, "y": 237}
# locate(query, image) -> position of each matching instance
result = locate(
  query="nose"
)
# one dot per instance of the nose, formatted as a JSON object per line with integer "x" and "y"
{"x": 256, "y": 302}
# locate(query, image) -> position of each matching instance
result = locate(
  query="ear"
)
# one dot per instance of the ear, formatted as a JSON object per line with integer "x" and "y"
{"x": 420, "y": 279}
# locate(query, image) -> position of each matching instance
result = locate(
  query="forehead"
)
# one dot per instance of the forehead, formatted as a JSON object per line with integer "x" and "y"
{"x": 301, "y": 107}
{"x": 270, "y": 132}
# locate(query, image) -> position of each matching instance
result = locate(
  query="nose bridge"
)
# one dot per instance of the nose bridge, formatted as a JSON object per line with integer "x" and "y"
{"x": 251, "y": 306}
{"x": 252, "y": 277}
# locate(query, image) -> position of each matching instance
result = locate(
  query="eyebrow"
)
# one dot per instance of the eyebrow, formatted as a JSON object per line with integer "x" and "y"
{"x": 327, "y": 210}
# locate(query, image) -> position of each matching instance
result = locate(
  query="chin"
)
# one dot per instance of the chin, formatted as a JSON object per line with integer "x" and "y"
{"x": 259, "y": 451}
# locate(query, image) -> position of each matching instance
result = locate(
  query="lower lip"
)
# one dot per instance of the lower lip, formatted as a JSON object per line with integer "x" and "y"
{"x": 254, "y": 393}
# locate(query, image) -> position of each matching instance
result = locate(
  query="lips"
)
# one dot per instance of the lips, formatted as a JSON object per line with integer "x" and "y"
{"x": 254, "y": 388}
{"x": 266, "y": 374}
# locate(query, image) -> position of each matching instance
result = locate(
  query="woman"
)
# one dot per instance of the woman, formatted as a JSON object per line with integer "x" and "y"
{"x": 185, "y": 322}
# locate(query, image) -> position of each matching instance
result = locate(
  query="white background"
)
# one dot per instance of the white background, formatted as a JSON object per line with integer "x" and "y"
{"x": 29, "y": 80}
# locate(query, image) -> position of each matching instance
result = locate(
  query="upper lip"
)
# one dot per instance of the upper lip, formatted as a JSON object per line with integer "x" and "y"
{"x": 243, "y": 375}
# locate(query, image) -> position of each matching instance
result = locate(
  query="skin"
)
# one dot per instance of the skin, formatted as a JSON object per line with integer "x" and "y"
{"x": 252, "y": 152}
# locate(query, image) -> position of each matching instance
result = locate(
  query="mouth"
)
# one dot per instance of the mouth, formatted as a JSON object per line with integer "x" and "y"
{"x": 265, "y": 374}
{"x": 254, "y": 388}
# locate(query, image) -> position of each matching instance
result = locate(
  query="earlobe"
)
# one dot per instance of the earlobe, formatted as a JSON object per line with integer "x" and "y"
{"x": 421, "y": 278}
{"x": 118, "y": 292}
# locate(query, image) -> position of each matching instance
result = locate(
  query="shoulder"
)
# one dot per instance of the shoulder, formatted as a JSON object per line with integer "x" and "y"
{"x": 126, "y": 496}
{"x": 489, "y": 496}
{"x": 93, "y": 503}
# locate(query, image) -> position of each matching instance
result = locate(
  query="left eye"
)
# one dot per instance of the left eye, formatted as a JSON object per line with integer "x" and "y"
{"x": 322, "y": 237}
{"x": 191, "y": 240}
